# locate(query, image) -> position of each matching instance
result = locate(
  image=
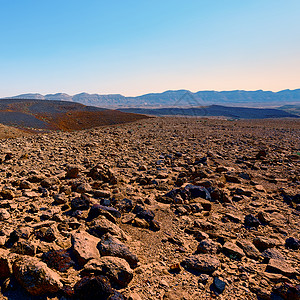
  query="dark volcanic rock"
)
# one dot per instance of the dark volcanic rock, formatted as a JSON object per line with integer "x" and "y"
{"x": 111, "y": 246}
{"x": 5, "y": 267}
{"x": 72, "y": 171}
{"x": 292, "y": 243}
{"x": 194, "y": 191}
{"x": 251, "y": 221}
{"x": 59, "y": 260}
{"x": 202, "y": 262}
{"x": 208, "y": 246}
{"x": 35, "y": 276}
{"x": 115, "y": 268}
{"x": 93, "y": 288}
{"x": 146, "y": 214}
{"x": 46, "y": 234}
{"x": 219, "y": 285}
{"x": 288, "y": 291}
{"x": 98, "y": 209}
{"x": 80, "y": 203}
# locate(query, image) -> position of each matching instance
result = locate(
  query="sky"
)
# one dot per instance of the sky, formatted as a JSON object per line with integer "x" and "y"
{"x": 135, "y": 47}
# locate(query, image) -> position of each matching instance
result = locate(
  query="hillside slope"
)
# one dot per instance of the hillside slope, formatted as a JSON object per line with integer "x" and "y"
{"x": 293, "y": 109}
{"x": 215, "y": 111}
{"x": 58, "y": 115}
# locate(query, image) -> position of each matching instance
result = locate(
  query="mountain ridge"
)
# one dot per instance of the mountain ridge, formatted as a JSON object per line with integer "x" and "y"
{"x": 173, "y": 98}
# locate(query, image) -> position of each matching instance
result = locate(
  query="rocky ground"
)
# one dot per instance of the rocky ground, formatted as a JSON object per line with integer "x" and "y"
{"x": 163, "y": 208}
{"x": 12, "y": 132}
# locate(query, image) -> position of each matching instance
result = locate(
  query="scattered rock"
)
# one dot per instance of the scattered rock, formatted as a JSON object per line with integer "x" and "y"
{"x": 219, "y": 285}
{"x": 115, "y": 268}
{"x": 208, "y": 246}
{"x": 35, "y": 276}
{"x": 202, "y": 262}
{"x": 101, "y": 225}
{"x": 5, "y": 266}
{"x": 232, "y": 250}
{"x": 72, "y": 171}
{"x": 59, "y": 260}
{"x": 251, "y": 221}
{"x": 80, "y": 203}
{"x": 111, "y": 246}
{"x": 4, "y": 214}
{"x": 288, "y": 291}
{"x": 263, "y": 243}
{"x": 249, "y": 249}
{"x": 280, "y": 266}
{"x": 92, "y": 288}
{"x": 24, "y": 247}
{"x": 292, "y": 243}
{"x": 272, "y": 253}
{"x": 84, "y": 247}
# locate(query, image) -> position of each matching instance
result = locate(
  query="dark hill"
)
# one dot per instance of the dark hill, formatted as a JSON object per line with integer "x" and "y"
{"x": 216, "y": 111}
{"x": 59, "y": 115}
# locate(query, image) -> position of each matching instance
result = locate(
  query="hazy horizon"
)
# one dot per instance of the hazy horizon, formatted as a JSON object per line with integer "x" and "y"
{"x": 133, "y": 48}
{"x": 159, "y": 92}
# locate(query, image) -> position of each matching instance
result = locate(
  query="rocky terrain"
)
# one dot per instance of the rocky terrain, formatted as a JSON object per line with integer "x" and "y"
{"x": 11, "y": 132}
{"x": 162, "y": 208}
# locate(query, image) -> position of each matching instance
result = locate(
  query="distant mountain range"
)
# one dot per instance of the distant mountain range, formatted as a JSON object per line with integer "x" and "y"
{"x": 179, "y": 98}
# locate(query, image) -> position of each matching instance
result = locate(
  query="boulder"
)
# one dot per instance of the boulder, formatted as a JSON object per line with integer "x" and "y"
{"x": 72, "y": 171}
{"x": 208, "y": 246}
{"x": 59, "y": 260}
{"x": 93, "y": 288}
{"x": 101, "y": 225}
{"x": 35, "y": 277}
{"x": 116, "y": 269}
{"x": 202, "y": 262}
{"x": 111, "y": 246}
{"x": 292, "y": 243}
{"x": 280, "y": 266}
{"x": 5, "y": 266}
{"x": 4, "y": 214}
{"x": 84, "y": 247}
{"x": 232, "y": 250}
{"x": 249, "y": 249}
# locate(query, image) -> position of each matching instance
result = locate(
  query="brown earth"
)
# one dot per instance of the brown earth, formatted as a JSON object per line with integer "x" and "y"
{"x": 48, "y": 115}
{"x": 240, "y": 242}
{"x": 11, "y": 132}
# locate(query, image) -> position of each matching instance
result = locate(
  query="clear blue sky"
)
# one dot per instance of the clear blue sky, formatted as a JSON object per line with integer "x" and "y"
{"x": 134, "y": 47}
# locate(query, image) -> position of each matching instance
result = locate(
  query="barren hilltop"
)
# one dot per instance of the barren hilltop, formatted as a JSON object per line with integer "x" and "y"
{"x": 160, "y": 208}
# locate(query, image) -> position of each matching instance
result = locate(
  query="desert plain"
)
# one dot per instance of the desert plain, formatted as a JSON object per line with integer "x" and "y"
{"x": 160, "y": 208}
